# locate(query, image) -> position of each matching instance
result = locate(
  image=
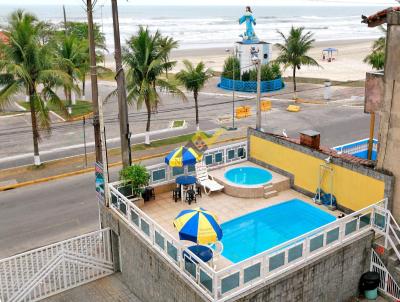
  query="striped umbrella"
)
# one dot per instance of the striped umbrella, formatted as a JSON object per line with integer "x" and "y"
{"x": 198, "y": 225}
{"x": 182, "y": 156}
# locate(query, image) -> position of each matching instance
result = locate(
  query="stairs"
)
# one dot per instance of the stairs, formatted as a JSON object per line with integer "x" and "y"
{"x": 269, "y": 191}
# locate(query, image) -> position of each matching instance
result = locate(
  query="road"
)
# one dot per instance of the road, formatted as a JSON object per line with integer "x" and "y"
{"x": 67, "y": 138}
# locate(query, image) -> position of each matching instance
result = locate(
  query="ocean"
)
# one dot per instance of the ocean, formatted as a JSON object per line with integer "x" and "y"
{"x": 217, "y": 26}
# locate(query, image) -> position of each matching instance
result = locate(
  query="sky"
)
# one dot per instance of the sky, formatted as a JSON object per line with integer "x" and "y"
{"x": 205, "y": 2}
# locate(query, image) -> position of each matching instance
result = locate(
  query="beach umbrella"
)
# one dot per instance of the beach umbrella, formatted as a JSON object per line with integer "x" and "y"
{"x": 198, "y": 225}
{"x": 182, "y": 156}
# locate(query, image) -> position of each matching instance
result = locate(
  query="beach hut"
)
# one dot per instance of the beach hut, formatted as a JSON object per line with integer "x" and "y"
{"x": 329, "y": 54}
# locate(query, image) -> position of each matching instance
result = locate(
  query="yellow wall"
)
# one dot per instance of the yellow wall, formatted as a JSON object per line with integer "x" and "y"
{"x": 352, "y": 190}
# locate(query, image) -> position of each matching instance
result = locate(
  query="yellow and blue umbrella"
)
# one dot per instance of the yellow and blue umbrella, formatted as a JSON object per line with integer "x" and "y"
{"x": 198, "y": 225}
{"x": 182, "y": 156}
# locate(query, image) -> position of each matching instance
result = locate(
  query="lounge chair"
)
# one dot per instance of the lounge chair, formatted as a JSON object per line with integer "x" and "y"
{"x": 205, "y": 180}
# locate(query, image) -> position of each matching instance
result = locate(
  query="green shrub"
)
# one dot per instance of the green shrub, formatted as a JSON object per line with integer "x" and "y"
{"x": 231, "y": 64}
{"x": 136, "y": 176}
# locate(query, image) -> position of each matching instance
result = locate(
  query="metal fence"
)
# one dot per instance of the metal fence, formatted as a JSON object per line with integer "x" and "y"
{"x": 357, "y": 147}
{"x": 387, "y": 285}
{"x": 251, "y": 86}
{"x": 43, "y": 272}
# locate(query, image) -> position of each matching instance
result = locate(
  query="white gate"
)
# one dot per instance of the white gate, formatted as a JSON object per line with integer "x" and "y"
{"x": 387, "y": 284}
{"x": 40, "y": 273}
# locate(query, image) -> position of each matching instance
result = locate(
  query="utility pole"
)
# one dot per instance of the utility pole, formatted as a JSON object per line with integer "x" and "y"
{"x": 257, "y": 62}
{"x": 93, "y": 78}
{"x": 98, "y": 123}
{"x": 122, "y": 104}
{"x": 258, "y": 122}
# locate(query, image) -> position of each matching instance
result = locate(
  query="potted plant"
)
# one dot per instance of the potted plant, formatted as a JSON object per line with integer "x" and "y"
{"x": 135, "y": 178}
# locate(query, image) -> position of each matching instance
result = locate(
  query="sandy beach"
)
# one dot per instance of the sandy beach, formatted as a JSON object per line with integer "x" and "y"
{"x": 348, "y": 66}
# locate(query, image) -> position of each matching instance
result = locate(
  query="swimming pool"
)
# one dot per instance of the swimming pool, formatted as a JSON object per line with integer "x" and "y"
{"x": 261, "y": 230}
{"x": 248, "y": 176}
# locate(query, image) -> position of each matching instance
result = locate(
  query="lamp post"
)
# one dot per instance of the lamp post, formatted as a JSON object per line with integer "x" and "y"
{"x": 257, "y": 62}
{"x": 233, "y": 90}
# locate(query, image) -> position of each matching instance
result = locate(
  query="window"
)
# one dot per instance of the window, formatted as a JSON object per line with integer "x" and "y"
{"x": 241, "y": 152}
{"x": 231, "y": 154}
{"x": 208, "y": 159}
{"x": 159, "y": 175}
{"x": 177, "y": 171}
{"x": 219, "y": 157}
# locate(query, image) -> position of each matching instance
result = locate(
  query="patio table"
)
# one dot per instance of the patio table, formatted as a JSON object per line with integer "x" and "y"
{"x": 185, "y": 180}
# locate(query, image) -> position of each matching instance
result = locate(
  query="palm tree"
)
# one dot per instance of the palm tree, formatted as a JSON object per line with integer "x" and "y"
{"x": 26, "y": 65}
{"x": 194, "y": 78}
{"x": 70, "y": 54}
{"x": 293, "y": 53}
{"x": 167, "y": 44}
{"x": 80, "y": 31}
{"x": 145, "y": 61}
{"x": 377, "y": 56}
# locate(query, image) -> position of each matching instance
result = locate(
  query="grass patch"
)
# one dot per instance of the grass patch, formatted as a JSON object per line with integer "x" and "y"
{"x": 81, "y": 108}
{"x": 107, "y": 76}
{"x": 177, "y": 123}
{"x": 359, "y": 83}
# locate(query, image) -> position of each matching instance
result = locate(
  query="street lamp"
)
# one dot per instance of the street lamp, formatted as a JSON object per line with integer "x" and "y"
{"x": 233, "y": 90}
{"x": 257, "y": 62}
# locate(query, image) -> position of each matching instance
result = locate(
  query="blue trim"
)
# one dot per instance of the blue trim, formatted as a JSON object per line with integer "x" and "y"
{"x": 251, "y": 86}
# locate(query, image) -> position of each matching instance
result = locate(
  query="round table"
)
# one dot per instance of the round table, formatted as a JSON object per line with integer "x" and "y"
{"x": 204, "y": 252}
{"x": 185, "y": 180}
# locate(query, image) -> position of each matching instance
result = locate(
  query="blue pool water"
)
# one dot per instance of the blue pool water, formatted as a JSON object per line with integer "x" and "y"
{"x": 248, "y": 176}
{"x": 258, "y": 231}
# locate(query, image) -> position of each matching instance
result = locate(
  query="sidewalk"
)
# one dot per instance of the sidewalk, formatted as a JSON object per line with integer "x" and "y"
{"x": 76, "y": 164}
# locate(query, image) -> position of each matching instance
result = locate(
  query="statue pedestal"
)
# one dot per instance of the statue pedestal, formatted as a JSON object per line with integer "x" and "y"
{"x": 244, "y": 54}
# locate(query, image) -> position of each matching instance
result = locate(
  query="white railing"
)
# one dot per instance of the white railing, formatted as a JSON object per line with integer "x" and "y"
{"x": 357, "y": 146}
{"x": 187, "y": 264}
{"x": 216, "y": 157}
{"x": 43, "y": 272}
{"x": 247, "y": 274}
{"x": 387, "y": 284}
{"x": 240, "y": 277}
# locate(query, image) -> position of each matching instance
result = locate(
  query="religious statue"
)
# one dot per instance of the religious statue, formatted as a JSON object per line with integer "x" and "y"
{"x": 249, "y": 36}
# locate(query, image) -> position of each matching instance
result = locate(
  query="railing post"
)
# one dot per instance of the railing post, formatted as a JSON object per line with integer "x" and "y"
{"x": 215, "y": 286}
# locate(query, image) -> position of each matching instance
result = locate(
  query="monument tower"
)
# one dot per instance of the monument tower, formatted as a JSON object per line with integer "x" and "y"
{"x": 251, "y": 43}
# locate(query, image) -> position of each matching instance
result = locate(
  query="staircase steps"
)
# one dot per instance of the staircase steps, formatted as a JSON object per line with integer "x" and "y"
{"x": 270, "y": 194}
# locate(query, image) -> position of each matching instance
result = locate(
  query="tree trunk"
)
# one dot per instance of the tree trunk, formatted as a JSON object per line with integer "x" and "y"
{"x": 147, "y": 136}
{"x": 294, "y": 84}
{"x": 148, "y": 107}
{"x": 35, "y": 132}
{"x": 83, "y": 87}
{"x": 195, "y": 95}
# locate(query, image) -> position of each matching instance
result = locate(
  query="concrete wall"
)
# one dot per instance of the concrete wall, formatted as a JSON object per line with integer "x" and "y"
{"x": 332, "y": 277}
{"x": 355, "y": 186}
{"x": 389, "y": 129}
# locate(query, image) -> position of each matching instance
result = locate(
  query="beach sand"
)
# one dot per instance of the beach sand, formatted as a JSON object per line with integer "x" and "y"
{"x": 348, "y": 66}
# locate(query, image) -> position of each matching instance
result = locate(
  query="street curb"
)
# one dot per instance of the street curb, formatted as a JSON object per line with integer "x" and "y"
{"x": 87, "y": 170}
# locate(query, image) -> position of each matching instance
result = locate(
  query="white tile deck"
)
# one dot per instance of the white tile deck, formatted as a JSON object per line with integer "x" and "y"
{"x": 164, "y": 209}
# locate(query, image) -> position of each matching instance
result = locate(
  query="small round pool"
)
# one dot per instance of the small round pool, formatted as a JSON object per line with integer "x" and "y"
{"x": 248, "y": 176}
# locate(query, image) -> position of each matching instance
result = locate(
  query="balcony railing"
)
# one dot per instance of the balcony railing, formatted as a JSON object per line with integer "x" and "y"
{"x": 229, "y": 282}
{"x": 358, "y": 148}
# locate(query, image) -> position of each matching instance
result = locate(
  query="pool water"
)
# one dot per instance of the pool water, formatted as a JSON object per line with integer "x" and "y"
{"x": 248, "y": 176}
{"x": 261, "y": 230}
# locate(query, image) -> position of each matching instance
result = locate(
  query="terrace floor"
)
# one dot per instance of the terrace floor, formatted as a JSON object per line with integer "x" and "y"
{"x": 164, "y": 209}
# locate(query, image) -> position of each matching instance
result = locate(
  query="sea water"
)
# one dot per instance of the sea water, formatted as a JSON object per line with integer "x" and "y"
{"x": 217, "y": 26}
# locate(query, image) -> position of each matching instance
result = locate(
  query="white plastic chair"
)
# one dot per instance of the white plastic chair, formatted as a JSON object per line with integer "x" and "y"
{"x": 205, "y": 180}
